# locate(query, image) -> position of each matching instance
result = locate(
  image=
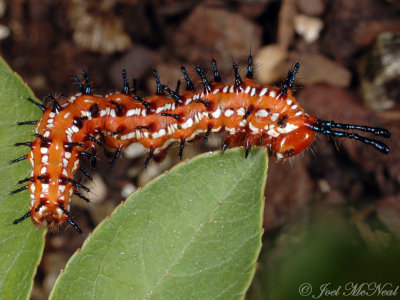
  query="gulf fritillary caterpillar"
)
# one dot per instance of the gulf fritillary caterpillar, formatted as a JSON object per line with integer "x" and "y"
{"x": 250, "y": 113}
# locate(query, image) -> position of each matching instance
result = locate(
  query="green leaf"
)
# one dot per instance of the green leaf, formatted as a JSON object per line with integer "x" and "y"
{"x": 194, "y": 233}
{"x": 21, "y": 245}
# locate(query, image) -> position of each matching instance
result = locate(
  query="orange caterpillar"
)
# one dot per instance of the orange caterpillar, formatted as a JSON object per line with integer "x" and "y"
{"x": 250, "y": 113}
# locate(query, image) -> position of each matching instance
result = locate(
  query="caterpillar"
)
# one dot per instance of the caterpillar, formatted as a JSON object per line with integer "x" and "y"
{"x": 252, "y": 114}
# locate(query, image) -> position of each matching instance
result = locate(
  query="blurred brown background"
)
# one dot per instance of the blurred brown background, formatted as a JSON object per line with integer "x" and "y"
{"x": 349, "y": 54}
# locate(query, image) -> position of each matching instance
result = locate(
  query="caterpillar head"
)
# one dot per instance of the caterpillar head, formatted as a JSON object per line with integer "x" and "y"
{"x": 295, "y": 135}
{"x": 298, "y": 131}
{"x": 301, "y": 132}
